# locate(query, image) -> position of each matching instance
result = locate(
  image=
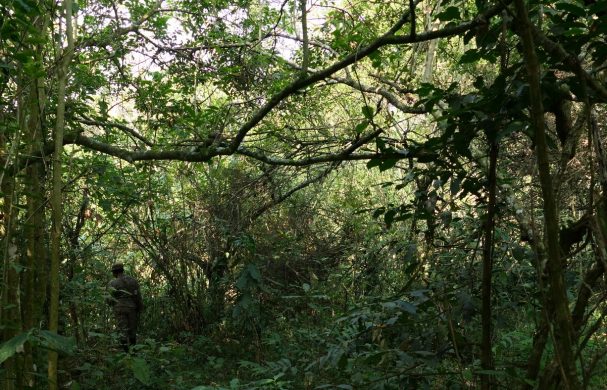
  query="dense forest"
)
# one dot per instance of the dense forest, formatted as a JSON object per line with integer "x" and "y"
{"x": 311, "y": 194}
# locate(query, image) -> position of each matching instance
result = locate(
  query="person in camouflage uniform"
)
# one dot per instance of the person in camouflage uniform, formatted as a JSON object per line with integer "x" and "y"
{"x": 127, "y": 304}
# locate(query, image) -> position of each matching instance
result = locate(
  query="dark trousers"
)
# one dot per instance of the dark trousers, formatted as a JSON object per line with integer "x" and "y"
{"x": 127, "y": 319}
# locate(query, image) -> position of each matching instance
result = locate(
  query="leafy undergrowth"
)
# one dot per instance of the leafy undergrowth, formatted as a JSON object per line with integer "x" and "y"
{"x": 373, "y": 346}
{"x": 401, "y": 343}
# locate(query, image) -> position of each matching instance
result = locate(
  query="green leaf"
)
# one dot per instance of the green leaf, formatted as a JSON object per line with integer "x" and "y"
{"x": 254, "y": 272}
{"x": 389, "y": 217}
{"x": 479, "y": 82}
{"x": 575, "y": 31}
{"x": 455, "y": 186}
{"x": 512, "y": 127}
{"x": 461, "y": 143}
{"x": 13, "y": 345}
{"x": 406, "y": 306}
{"x": 470, "y": 56}
{"x": 425, "y": 89}
{"x": 368, "y": 112}
{"x": 387, "y": 164}
{"x": 376, "y": 59}
{"x": 141, "y": 370}
{"x": 250, "y": 276}
{"x": 598, "y": 7}
{"x": 467, "y": 374}
{"x": 573, "y": 9}
{"x": 374, "y": 358}
{"x": 361, "y": 127}
{"x": 28, "y": 6}
{"x": 449, "y": 14}
{"x": 375, "y": 162}
{"x": 55, "y": 342}
{"x": 378, "y": 212}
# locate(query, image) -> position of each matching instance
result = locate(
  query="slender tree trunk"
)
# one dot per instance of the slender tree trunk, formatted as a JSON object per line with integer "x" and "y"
{"x": 9, "y": 303}
{"x": 56, "y": 195}
{"x": 432, "y": 45}
{"x": 74, "y": 257}
{"x": 34, "y": 225}
{"x": 563, "y": 334}
{"x": 487, "y": 381}
{"x": 10, "y": 317}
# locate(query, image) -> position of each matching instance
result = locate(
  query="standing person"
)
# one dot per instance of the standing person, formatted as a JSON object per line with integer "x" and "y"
{"x": 127, "y": 304}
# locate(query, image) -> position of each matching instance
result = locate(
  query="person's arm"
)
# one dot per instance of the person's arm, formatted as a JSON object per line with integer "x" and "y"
{"x": 109, "y": 298}
{"x": 138, "y": 298}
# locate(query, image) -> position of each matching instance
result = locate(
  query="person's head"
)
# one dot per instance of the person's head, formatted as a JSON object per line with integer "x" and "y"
{"x": 117, "y": 269}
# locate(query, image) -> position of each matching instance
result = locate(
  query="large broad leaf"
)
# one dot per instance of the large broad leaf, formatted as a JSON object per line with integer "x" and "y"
{"x": 250, "y": 276}
{"x": 470, "y": 56}
{"x": 13, "y": 345}
{"x": 56, "y": 342}
{"x": 368, "y": 112}
{"x": 572, "y": 9}
{"x": 449, "y": 14}
{"x": 406, "y": 306}
{"x": 141, "y": 370}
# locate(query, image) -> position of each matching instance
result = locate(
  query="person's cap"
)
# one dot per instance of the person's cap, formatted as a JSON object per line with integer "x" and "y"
{"x": 118, "y": 267}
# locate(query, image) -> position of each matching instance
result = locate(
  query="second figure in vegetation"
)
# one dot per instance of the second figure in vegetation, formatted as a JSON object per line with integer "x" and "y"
{"x": 127, "y": 304}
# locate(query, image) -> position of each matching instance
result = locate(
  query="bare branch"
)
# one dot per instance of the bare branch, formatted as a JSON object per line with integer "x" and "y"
{"x": 259, "y": 212}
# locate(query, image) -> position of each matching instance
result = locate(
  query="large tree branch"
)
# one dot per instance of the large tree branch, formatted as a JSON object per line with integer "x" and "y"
{"x": 389, "y": 96}
{"x": 206, "y": 154}
{"x": 91, "y": 122}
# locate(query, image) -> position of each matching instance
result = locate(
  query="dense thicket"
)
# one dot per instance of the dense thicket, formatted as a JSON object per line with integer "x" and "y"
{"x": 332, "y": 194}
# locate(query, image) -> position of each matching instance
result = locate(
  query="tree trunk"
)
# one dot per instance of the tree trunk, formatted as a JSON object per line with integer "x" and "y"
{"x": 34, "y": 225}
{"x": 486, "y": 320}
{"x": 10, "y": 308}
{"x": 560, "y": 318}
{"x": 9, "y": 315}
{"x": 56, "y": 194}
{"x": 432, "y": 45}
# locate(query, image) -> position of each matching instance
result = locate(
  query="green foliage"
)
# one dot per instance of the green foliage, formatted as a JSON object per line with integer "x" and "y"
{"x": 12, "y": 346}
{"x": 43, "y": 338}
